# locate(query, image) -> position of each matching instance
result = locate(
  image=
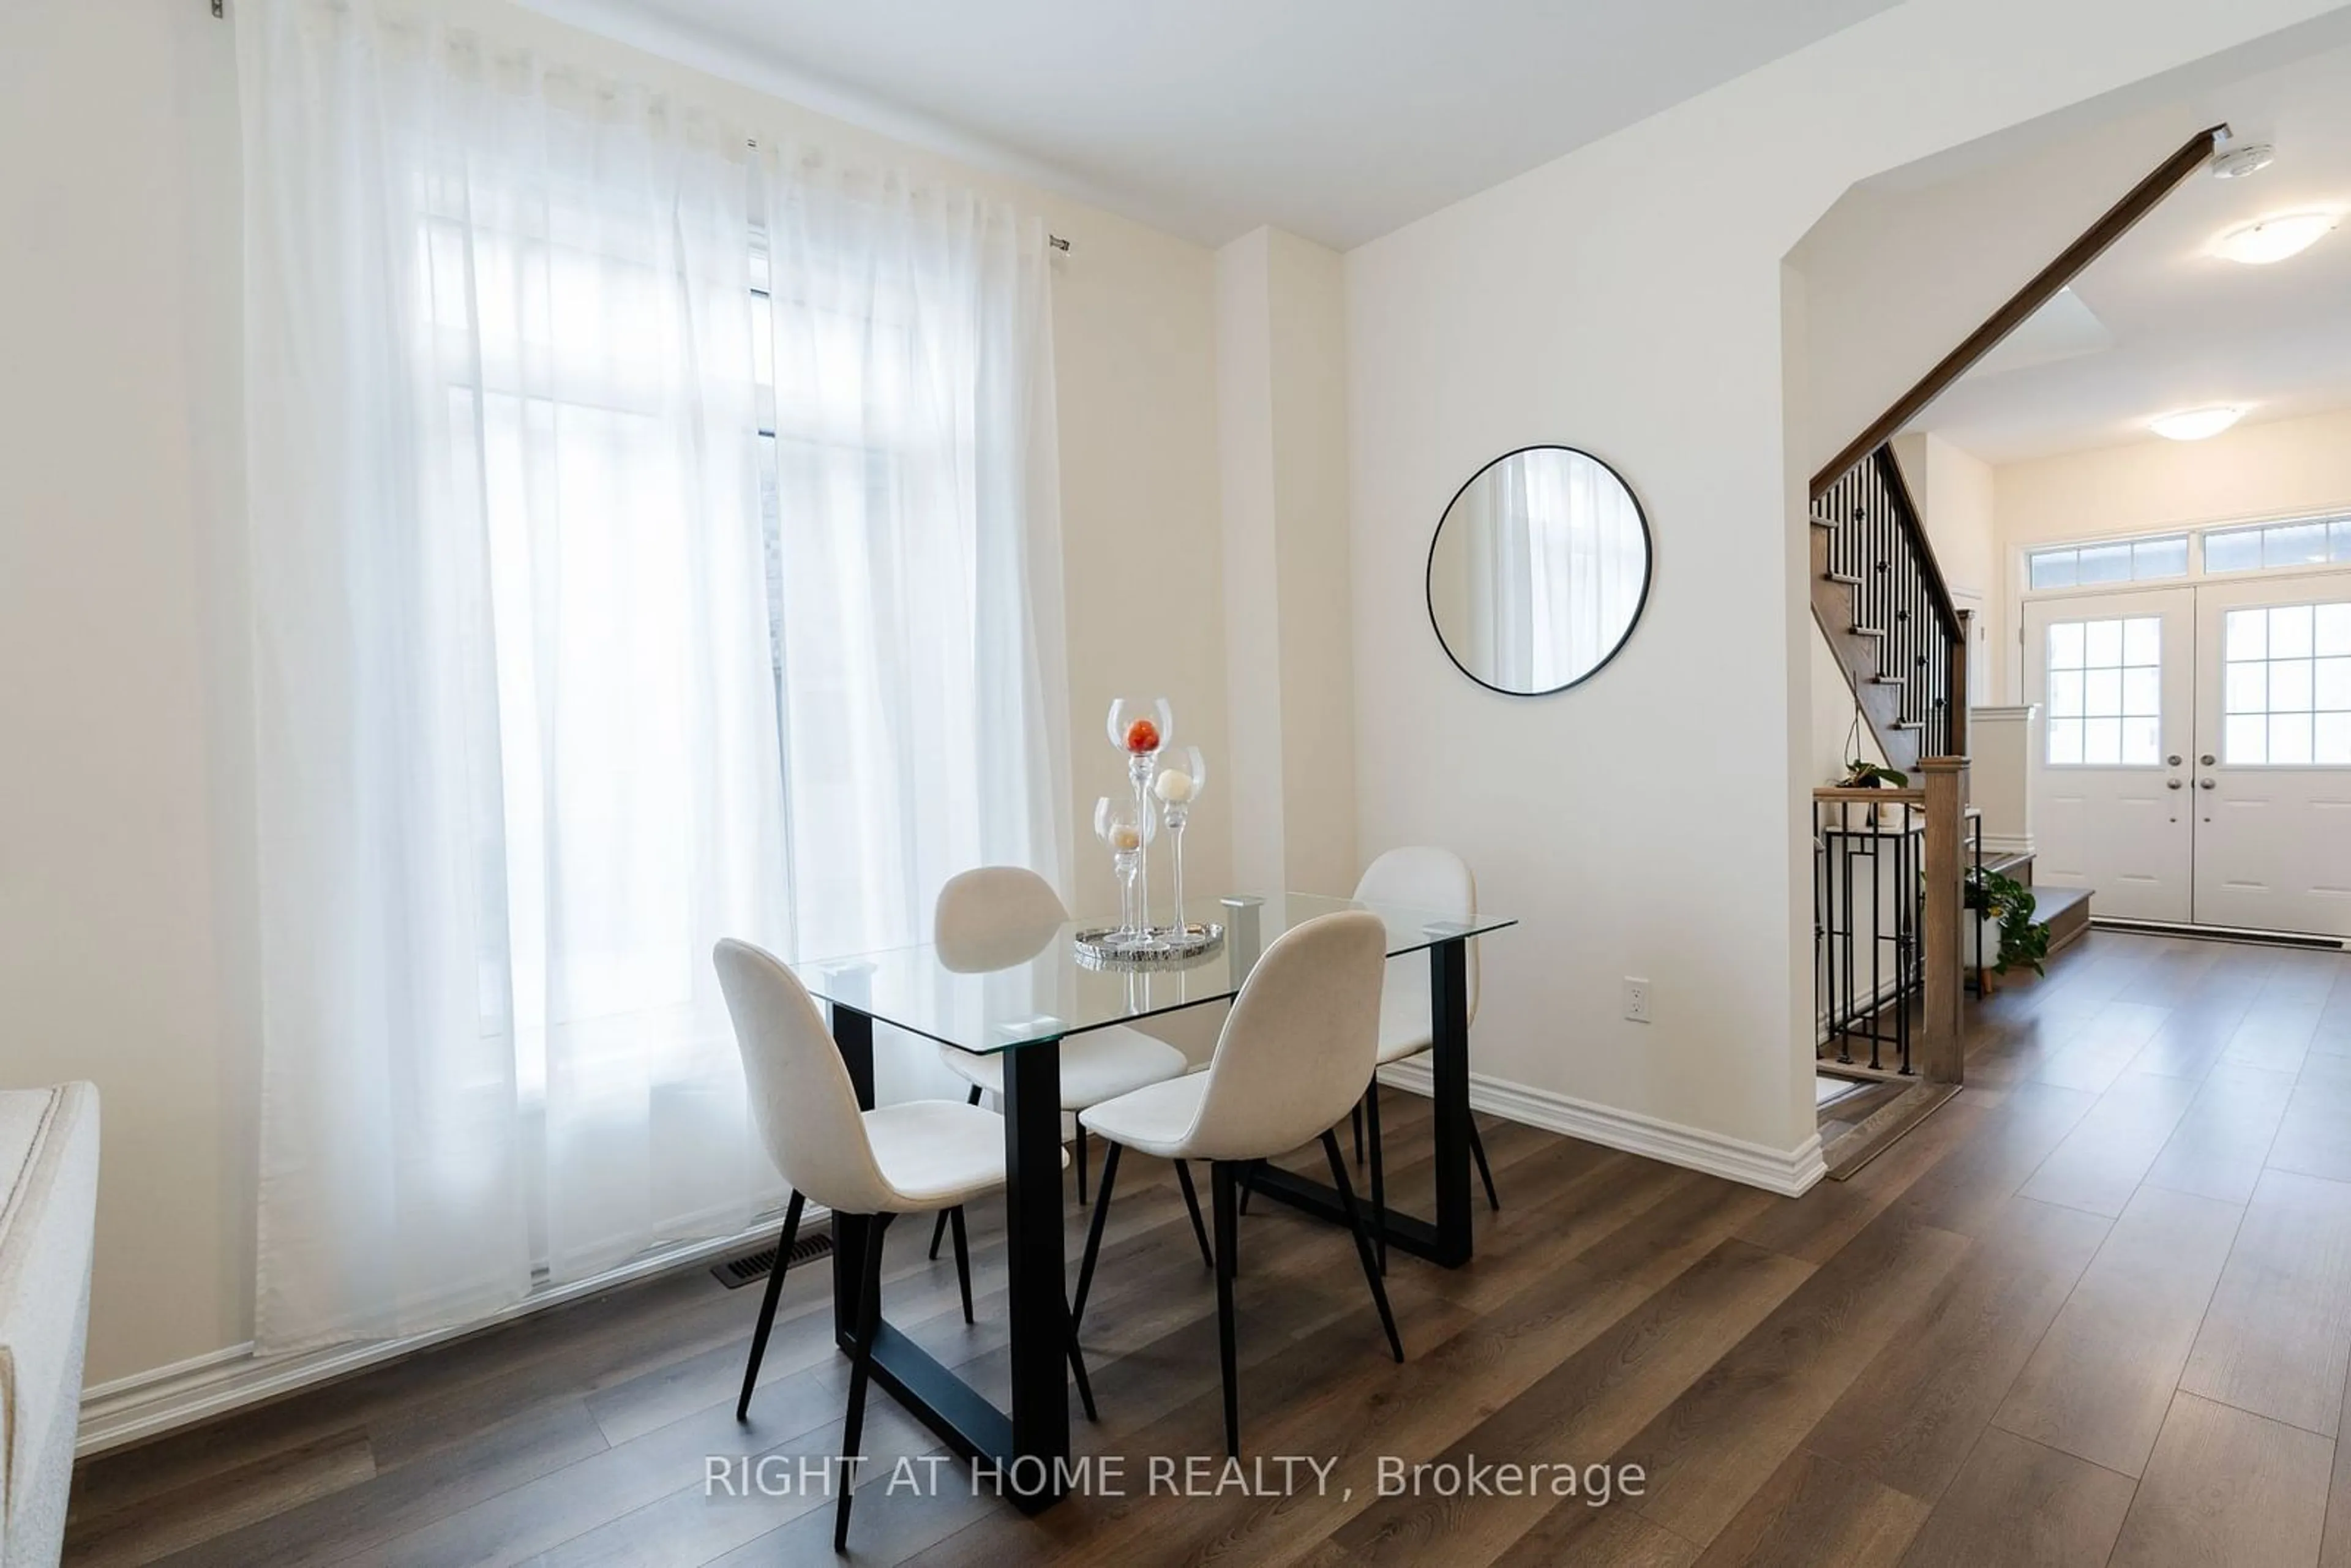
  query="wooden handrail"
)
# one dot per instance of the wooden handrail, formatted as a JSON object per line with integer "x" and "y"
{"x": 2094, "y": 241}
{"x": 1872, "y": 797}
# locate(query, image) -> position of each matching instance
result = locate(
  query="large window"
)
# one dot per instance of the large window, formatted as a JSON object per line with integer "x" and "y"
{"x": 2287, "y": 686}
{"x": 2106, "y": 693}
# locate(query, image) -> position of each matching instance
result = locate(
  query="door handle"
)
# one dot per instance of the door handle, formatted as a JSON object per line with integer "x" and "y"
{"x": 2171, "y": 783}
{"x": 2207, "y": 759}
{"x": 2208, "y": 783}
{"x": 2172, "y": 760}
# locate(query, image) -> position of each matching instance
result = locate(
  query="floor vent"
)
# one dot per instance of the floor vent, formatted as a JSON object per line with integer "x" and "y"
{"x": 752, "y": 1267}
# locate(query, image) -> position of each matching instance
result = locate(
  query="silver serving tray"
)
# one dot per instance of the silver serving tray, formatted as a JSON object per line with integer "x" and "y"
{"x": 1168, "y": 947}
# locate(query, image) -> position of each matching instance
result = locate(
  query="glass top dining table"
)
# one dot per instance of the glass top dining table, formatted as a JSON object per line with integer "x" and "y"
{"x": 1019, "y": 994}
{"x": 1022, "y": 988}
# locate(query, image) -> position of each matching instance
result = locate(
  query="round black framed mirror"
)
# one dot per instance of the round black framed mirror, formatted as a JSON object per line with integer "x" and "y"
{"x": 1538, "y": 570}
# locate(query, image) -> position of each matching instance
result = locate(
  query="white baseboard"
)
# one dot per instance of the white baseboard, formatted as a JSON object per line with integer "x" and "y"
{"x": 2007, "y": 845}
{"x": 1786, "y": 1172}
{"x": 150, "y": 1403}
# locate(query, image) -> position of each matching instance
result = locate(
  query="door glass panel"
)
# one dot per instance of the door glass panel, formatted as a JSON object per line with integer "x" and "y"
{"x": 2106, "y": 693}
{"x": 2334, "y": 746}
{"x": 2285, "y": 693}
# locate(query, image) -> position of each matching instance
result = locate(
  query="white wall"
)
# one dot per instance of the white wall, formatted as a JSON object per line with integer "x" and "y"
{"x": 123, "y": 871}
{"x": 2280, "y": 468}
{"x": 1282, "y": 411}
{"x": 1954, "y": 490}
{"x": 2273, "y": 469}
{"x": 1628, "y": 298}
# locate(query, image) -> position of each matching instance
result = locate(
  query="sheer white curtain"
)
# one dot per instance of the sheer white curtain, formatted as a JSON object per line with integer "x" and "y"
{"x": 517, "y": 737}
{"x": 649, "y": 543}
{"x": 918, "y": 579}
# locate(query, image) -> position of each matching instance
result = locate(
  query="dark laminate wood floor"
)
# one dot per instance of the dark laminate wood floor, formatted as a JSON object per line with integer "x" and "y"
{"x": 2095, "y": 1310}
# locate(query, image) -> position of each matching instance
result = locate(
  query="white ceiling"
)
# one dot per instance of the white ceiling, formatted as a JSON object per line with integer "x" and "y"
{"x": 2183, "y": 328}
{"x": 1337, "y": 120}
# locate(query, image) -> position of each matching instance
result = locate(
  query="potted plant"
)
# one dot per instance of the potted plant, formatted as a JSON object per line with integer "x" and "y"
{"x": 1861, "y": 775}
{"x": 1993, "y": 897}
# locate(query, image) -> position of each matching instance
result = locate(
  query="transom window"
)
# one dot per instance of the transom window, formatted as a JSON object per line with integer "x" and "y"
{"x": 2307, "y": 542}
{"x": 2287, "y": 686}
{"x": 2106, "y": 693}
{"x": 2127, "y": 561}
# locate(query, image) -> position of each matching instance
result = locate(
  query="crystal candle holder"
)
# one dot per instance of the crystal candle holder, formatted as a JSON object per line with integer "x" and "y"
{"x": 1139, "y": 728}
{"x": 1183, "y": 774}
{"x": 1126, "y": 830}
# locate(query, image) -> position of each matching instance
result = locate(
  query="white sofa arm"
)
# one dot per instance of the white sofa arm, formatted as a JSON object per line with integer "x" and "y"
{"x": 48, "y": 1201}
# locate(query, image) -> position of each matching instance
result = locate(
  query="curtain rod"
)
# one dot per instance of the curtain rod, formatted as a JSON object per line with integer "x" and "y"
{"x": 220, "y": 9}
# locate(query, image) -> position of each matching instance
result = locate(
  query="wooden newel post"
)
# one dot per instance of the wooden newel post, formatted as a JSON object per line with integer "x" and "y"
{"x": 1942, "y": 1046}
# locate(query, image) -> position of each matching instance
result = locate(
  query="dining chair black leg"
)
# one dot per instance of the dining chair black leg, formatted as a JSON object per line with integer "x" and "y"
{"x": 1192, "y": 1204}
{"x": 1094, "y": 1237}
{"x": 1485, "y": 1171}
{"x": 1355, "y": 1120}
{"x": 1223, "y": 1198}
{"x": 1249, "y": 1183}
{"x": 1363, "y": 1241}
{"x": 963, "y": 1259}
{"x": 768, "y": 1304}
{"x": 939, "y": 1230}
{"x": 1379, "y": 1173}
{"x": 861, "y": 1368}
{"x": 1078, "y": 1371}
{"x": 1081, "y": 1165}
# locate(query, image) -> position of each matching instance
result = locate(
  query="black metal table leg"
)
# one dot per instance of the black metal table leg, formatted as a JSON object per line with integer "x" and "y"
{"x": 852, "y": 1033}
{"x": 1447, "y": 1241}
{"x": 1027, "y": 1449}
{"x": 1036, "y": 1284}
{"x": 1449, "y": 1067}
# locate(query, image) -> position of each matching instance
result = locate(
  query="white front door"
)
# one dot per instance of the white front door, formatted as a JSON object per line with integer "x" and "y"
{"x": 2115, "y": 676}
{"x": 2273, "y": 749}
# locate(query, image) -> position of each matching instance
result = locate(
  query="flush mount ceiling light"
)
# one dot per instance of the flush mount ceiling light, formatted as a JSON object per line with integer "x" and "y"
{"x": 2195, "y": 424}
{"x": 2274, "y": 239}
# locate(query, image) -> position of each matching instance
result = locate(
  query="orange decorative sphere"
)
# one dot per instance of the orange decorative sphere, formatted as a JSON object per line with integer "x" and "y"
{"x": 1143, "y": 736}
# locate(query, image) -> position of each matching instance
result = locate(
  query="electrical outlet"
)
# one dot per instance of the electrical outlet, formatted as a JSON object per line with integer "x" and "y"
{"x": 1637, "y": 999}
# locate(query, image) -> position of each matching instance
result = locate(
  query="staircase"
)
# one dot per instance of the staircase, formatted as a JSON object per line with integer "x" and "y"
{"x": 1883, "y": 607}
{"x": 1888, "y": 618}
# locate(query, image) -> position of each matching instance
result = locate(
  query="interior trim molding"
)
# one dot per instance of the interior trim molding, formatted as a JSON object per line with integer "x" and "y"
{"x": 1788, "y": 1171}
{"x": 165, "y": 1398}
{"x": 2008, "y": 844}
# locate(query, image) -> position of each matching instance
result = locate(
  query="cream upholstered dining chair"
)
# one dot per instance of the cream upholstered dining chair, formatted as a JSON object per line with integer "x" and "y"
{"x": 908, "y": 1158}
{"x": 1437, "y": 880}
{"x": 998, "y": 915}
{"x": 1296, "y": 1051}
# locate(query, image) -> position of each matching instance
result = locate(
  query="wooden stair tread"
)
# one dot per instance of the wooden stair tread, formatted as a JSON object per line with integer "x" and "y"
{"x": 2050, "y": 902}
{"x": 1865, "y": 632}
